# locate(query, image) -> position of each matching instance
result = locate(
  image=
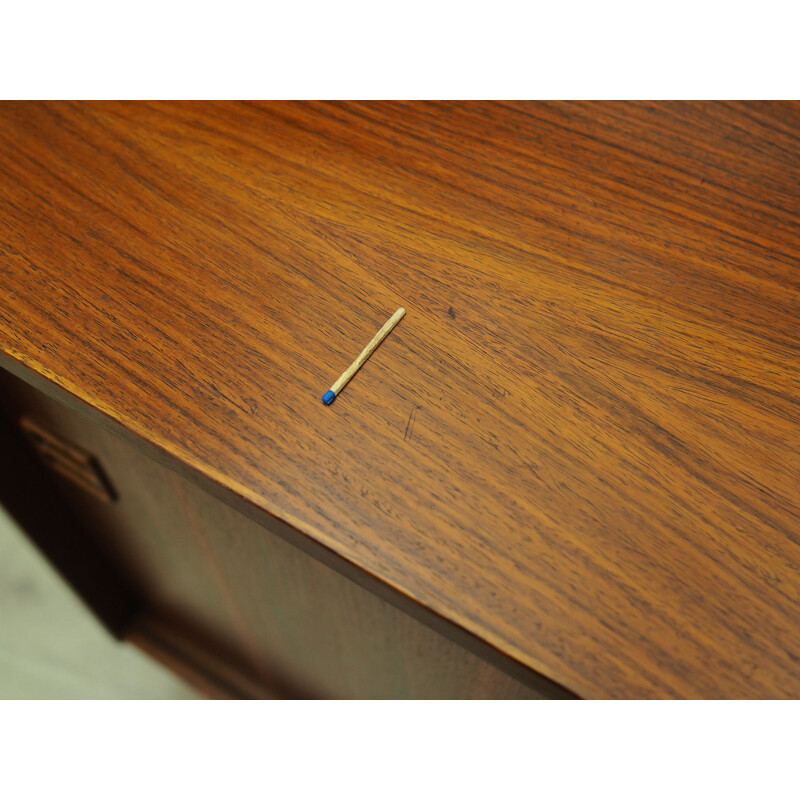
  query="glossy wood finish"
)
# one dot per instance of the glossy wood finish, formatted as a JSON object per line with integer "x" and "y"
{"x": 222, "y": 597}
{"x": 582, "y": 444}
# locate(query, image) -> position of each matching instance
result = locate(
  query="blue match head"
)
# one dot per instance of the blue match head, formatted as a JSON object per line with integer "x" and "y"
{"x": 328, "y": 397}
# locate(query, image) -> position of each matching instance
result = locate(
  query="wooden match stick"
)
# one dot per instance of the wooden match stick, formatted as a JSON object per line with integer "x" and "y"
{"x": 337, "y": 387}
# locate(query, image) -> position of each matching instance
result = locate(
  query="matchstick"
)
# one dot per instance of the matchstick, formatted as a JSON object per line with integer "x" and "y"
{"x": 337, "y": 387}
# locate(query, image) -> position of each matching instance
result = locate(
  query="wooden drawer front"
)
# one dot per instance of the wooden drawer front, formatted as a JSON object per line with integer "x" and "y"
{"x": 68, "y": 460}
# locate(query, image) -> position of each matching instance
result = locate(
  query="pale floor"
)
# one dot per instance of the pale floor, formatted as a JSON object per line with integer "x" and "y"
{"x": 51, "y": 647}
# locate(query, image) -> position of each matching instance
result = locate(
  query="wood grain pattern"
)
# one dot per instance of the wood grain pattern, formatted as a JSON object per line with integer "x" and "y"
{"x": 145, "y": 533}
{"x": 225, "y": 598}
{"x": 583, "y": 443}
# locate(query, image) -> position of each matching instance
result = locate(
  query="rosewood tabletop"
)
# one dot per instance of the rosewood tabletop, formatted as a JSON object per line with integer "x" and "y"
{"x": 582, "y": 442}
